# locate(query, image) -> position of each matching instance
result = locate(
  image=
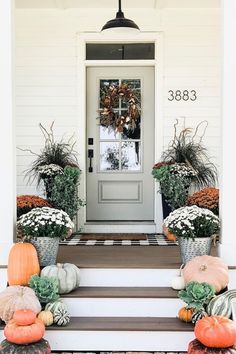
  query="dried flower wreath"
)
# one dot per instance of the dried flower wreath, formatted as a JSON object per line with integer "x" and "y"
{"x": 109, "y": 115}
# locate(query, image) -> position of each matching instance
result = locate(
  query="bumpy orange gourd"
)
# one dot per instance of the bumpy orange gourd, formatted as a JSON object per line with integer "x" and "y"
{"x": 22, "y": 263}
{"x": 208, "y": 269}
{"x": 27, "y": 334}
{"x": 185, "y": 314}
{"x": 216, "y": 331}
{"x": 24, "y": 317}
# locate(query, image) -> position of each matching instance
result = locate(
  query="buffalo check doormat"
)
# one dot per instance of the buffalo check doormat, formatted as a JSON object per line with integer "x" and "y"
{"x": 151, "y": 240}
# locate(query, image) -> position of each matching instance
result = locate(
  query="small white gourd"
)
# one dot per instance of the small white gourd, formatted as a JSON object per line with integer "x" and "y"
{"x": 178, "y": 282}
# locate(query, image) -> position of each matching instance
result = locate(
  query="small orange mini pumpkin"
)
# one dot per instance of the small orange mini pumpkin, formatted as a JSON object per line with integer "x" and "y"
{"x": 24, "y": 317}
{"x": 185, "y": 314}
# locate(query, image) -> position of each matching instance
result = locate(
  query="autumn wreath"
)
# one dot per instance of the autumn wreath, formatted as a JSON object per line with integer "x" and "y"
{"x": 109, "y": 114}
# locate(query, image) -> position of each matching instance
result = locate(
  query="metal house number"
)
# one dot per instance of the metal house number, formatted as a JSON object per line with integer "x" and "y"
{"x": 184, "y": 95}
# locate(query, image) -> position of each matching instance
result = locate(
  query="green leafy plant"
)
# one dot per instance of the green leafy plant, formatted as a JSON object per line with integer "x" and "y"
{"x": 192, "y": 221}
{"x": 187, "y": 147}
{"x": 197, "y": 295}
{"x": 46, "y": 288}
{"x": 175, "y": 180}
{"x": 64, "y": 193}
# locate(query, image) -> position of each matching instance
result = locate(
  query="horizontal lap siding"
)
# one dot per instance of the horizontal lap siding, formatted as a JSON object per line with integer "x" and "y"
{"x": 46, "y": 69}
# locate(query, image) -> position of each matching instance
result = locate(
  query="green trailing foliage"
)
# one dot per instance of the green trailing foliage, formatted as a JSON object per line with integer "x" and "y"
{"x": 197, "y": 295}
{"x": 46, "y": 288}
{"x": 64, "y": 194}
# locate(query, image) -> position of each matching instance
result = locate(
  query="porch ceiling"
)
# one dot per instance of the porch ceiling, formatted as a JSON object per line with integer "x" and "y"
{"x": 151, "y": 4}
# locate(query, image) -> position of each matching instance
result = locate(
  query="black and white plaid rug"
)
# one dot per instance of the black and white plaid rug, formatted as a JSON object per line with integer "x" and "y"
{"x": 152, "y": 240}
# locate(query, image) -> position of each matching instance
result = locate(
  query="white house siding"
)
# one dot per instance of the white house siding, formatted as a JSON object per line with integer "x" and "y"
{"x": 46, "y": 69}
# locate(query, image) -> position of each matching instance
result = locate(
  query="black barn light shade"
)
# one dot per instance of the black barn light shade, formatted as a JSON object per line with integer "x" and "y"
{"x": 120, "y": 22}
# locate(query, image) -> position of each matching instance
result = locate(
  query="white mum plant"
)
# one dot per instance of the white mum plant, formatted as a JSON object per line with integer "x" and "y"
{"x": 45, "y": 222}
{"x": 192, "y": 221}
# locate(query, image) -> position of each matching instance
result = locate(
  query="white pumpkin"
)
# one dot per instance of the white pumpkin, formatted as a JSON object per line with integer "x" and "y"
{"x": 67, "y": 274}
{"x": 178, "y": 282}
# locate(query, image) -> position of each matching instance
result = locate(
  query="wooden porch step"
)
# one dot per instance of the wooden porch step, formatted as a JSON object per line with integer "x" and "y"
{"x": 122, "y": 292}
{"x": 119, "y": 334}
{"x": 145, "y": 324}
{"x": 128, "y": 257}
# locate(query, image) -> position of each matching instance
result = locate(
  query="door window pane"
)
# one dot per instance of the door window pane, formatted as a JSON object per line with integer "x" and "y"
{"x": 109, "y": 156}
{"x": 130, "y": 156}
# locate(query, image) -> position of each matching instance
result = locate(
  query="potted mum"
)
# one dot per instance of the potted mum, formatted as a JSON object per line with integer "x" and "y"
{"x": 195, "y": 228}
{"x": 44, "y": 227}
{"x": 206, "y": 198}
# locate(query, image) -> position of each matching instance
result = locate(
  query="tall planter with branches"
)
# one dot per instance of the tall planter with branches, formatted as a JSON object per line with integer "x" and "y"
{"x": 184, "y": 164}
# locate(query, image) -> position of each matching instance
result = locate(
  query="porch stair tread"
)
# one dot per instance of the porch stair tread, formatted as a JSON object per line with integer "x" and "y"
{"x": 145, "y": 324}
{"x": 122, "y": 292}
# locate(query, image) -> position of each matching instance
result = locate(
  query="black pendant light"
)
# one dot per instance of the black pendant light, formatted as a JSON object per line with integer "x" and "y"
{"x": 120, "y": 22}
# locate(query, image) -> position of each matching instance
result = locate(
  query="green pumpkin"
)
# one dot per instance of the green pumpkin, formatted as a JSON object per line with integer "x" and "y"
{"x": 61, "y": 317}
{"x": 68, "y": 276}
{"x": 55, "y": 306}
{"x": 220, "y": 305}
{"x": 40, "y": 347}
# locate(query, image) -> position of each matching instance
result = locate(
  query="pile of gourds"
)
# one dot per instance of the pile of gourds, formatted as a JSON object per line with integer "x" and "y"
{"x": 210, "y": 270}
{"x": 214, "y": 329}
{"x": 22, "y": 306}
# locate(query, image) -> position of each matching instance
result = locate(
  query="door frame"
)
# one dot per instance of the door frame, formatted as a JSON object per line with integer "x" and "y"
{"x": 82, "y": 64}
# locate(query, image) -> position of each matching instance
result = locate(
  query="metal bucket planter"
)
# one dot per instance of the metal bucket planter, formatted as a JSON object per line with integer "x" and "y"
{"x": 47, "y": 249}
{"x": 190, "y": 248}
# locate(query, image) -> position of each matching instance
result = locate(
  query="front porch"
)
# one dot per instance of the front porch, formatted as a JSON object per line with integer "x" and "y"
{"x": 125, "y": 301}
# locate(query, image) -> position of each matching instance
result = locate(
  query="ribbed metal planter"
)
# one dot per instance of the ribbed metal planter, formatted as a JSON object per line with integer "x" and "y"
{"x": 191, "y": 248}
{"x": 47, "y": 249}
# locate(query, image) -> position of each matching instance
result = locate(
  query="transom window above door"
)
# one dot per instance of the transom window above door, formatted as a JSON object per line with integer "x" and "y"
{"x": 119, "y": 51}
{"x": 121, "y": 150}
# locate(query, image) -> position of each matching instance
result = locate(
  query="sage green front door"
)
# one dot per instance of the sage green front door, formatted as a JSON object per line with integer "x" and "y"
{"x": 120, "y": 186}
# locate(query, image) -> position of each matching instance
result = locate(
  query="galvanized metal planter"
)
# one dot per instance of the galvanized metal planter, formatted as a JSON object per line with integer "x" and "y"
{"x": 190, "y": 248}
{"x": 47, "y": 249}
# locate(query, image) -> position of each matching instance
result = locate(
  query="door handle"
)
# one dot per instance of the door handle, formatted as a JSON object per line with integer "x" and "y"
{"x": 90, "y": 156}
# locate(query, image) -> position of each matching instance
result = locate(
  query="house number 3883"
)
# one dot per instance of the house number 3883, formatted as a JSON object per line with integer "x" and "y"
{"x": 184, "y": 95}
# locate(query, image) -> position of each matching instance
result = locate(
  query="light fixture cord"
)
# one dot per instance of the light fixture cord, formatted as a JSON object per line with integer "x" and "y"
{"x": 119, "y": 5}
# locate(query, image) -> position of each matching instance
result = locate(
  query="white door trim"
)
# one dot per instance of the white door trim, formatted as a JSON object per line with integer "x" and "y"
{"x": 82, "y": 64}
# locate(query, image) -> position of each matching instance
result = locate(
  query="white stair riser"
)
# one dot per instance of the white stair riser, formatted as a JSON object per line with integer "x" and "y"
{"x": 125, "y": 277}
{"x": 116, "y": 307}
{"x": 117, "y": 340}
{"x": 135, "y": 277}
{"x": 3, "y": 278}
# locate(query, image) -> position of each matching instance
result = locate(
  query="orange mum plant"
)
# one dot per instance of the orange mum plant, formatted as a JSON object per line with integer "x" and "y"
{"x": 27, "y": 202}
{"x": 206, "y": 198}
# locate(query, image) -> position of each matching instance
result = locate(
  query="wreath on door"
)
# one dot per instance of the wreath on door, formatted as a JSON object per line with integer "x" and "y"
{"x": 109, "y": 115}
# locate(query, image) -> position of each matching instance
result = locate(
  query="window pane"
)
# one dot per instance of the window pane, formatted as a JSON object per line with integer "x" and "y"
{"x": 109, "y": 156}
{"x": 108, "y": 134}
{"x": 130, "y": 156}
{"x": 119, "y": 51}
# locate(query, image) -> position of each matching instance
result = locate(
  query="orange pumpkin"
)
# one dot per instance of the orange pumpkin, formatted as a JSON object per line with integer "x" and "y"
{"x": 185, "y": 314}
{"x": 208, "y": 269}
{"x": 22, "y": 263}
{"x": 24, "y": 317}
{"x": 216, "y": 331}
{"x": 24, "y": 334}
{"x": 168, "y": 234}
